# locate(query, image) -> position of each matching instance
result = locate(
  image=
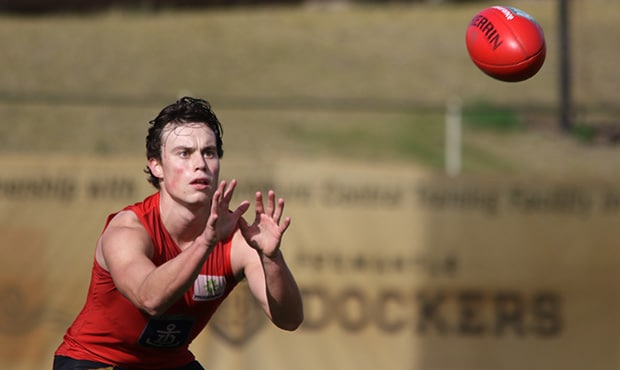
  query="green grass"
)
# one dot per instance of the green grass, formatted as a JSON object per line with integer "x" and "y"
{"x": 488, "y": 116}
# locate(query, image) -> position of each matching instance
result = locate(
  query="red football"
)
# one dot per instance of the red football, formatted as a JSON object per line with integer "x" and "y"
{"x": 506, "y": 43}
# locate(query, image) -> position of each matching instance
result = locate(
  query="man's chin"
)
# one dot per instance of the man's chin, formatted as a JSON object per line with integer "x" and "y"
{"x": 198, "y": 201}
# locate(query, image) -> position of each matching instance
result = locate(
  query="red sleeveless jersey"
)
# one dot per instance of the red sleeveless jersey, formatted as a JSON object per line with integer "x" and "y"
{"x": 111, "y": 330}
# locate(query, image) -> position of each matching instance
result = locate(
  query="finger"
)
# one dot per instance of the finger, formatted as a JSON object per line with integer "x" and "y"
{"x": 241, "y": 209}
{"x": 260, "y": 208}
{"x": 215, "y": 202}
{"x": 212, "y": 221}
{"x": 243, "y": 225}
{"x": 270, "y": 203}
{"x": 284, "y": 225}
{"x": 279, "y": 210}
{"x": 220, "y": 188}
{"x": 247, "y": 232}
{"x": 228, "y": 194}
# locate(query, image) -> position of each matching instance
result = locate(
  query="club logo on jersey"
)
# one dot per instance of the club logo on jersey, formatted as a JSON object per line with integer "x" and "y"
{"x": 166, "y": 332}
{"x": 208, "y": 287}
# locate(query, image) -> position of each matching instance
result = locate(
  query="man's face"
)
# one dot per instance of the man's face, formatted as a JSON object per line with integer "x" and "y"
{"x": 189, "y": 166}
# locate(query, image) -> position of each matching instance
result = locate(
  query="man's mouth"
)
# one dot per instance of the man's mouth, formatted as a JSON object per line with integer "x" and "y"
{"x": 204, "y": 182}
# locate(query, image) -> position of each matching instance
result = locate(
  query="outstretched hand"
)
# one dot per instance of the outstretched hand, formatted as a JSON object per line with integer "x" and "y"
{"x": 222, "y": 221}
{"x": 265, "y": 233}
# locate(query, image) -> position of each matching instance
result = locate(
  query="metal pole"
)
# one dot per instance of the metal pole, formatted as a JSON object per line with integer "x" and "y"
{"x": 453, "y": 137}
{"x": 565, "y": 70}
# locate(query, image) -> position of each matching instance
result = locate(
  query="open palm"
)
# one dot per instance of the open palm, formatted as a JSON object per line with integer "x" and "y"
{"x": 265, "y": 233}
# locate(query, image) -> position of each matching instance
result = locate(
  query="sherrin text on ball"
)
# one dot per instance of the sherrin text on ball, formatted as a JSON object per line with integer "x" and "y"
{"x": 506, "y": 43}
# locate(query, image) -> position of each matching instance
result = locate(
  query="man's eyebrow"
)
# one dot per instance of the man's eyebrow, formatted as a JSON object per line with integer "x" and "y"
{"x": 181, "y": 147}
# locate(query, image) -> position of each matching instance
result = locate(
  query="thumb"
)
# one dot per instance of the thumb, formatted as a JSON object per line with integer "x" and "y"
{"x": 243, "y": 207}
{"x": 212, "y": 221}
{"x": 243, "y": 224}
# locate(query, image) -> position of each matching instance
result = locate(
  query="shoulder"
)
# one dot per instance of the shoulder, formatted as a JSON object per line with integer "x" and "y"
{"x": 123, "y": 234}
{"x": 125, "y": 219}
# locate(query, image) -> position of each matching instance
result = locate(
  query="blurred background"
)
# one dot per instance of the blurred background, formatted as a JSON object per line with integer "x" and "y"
{"x": 441, "y": 219}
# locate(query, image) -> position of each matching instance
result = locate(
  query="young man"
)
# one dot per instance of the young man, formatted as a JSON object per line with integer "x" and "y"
{"x": 163, "y": 266}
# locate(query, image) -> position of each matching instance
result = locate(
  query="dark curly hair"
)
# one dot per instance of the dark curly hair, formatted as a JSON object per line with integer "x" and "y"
{"x": 185, "y": 110}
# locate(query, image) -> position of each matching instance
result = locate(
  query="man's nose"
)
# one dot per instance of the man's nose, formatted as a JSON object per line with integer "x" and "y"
{"x": 199, "y": 161}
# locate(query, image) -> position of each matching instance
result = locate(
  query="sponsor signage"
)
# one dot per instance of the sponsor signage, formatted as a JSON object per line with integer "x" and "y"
{"x": 399, "y": 268}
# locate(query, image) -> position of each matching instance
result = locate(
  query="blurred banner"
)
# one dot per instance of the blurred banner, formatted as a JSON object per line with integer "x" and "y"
{"x": 400, "y": 269}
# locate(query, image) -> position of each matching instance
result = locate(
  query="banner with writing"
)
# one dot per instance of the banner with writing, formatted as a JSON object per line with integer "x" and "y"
{"x": 399, "y": 268}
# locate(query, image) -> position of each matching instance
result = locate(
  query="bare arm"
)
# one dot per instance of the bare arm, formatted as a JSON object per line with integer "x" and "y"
{"x": 125, "y": 250}
{"x": 257, "y": 252}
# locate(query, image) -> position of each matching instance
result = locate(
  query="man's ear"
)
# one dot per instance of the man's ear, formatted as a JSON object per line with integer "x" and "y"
{"x": 155, "y": 167}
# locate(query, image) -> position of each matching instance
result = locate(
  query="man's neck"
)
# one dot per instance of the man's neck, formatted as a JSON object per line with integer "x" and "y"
{"x": 183, "y": 222}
